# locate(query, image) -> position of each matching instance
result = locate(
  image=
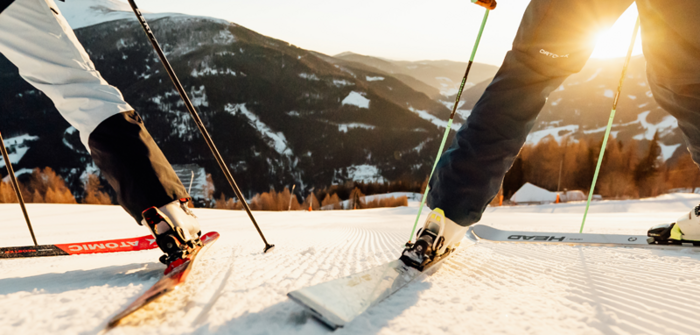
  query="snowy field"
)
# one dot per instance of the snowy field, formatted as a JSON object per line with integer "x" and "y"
{"x": 487, "y": 288}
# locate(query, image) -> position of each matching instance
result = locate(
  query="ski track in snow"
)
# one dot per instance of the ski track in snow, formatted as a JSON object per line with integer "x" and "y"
{"x": 485, "y": 288}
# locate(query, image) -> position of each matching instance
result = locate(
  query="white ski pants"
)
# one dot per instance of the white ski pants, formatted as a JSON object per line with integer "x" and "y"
{"x": 37, "y": 39}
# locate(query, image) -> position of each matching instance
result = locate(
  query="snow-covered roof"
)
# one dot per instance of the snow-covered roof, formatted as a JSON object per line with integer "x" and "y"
{"x": 576, "y": 195}
{"x": 532, "y": 193}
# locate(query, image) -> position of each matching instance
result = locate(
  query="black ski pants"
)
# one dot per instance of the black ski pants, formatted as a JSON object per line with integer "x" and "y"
{"x": 555, "y": 39}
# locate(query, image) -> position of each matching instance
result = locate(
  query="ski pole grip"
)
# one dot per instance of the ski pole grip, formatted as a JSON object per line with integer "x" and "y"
{"x": 488, "y": 4}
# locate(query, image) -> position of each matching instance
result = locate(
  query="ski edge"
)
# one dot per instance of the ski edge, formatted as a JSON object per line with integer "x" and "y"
{"x": 306, "y": 304}
{"x": 334, "y": 321}
{"x": 209, "y": 239}
{"x": 326, "y": 314}
{"x": 94, "y": 247}
{"x": 481, "y": 232}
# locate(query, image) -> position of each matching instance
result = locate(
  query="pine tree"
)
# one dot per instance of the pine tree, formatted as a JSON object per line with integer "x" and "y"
{"x": 543, "y": 163}
{"x": 332, "y": 201}
{"x": 357, "y": 199}
{"x": 615, "y": 179}
{"x": 7, "y": 193}
{"x": 311, "y": 202}
{"x": 36, "y": 198}
{"x": 514, "y": 179}
{"x": 295, "y": 203}
{"x": 45, "y": 185}
{"x": 93, "y": 192}
{"x": 685, "y": 174}
{"x": 647, "y": 170}
{"x": 223, "y": 203}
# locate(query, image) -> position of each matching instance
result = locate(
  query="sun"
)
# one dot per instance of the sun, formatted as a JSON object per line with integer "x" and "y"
{"x": 615, "y": 41}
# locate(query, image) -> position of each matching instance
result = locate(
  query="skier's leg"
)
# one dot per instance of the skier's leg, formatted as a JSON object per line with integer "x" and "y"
{"x": 554, "y": 40}
{"x": 39, "y": 41}
{"x": 672, "y": 49}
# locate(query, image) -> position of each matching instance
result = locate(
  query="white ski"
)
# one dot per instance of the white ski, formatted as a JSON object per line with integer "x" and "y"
{"x": 337, "y": 302}
{"x": 488, "y": 233}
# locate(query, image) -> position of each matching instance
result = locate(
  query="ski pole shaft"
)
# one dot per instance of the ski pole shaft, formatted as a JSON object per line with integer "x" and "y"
{"x": 449, "y": 123}
{"x": 290, "y": 197}
{"x": 15, "y": 185}
{"x": 610, "y": 123}
{"x": 197, "y": 120}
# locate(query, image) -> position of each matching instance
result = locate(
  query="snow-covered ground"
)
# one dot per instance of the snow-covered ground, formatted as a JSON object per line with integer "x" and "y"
{"x": 356, "y": 99}
{"x": 412, "y": 198}
{"x": 487, "y": 288}
{"x": 364, "y": 173}
{"x": 430, "y": 117}
{"x": 276, "y": 140}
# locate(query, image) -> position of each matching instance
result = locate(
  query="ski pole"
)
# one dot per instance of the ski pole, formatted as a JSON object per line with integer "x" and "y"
{"x": 610, "y": 123}
{"x": 491, "y": 4}
{"x": 290, "y": 197}
{"x": 197, "y": 120}
{"x": 15, "y": 185}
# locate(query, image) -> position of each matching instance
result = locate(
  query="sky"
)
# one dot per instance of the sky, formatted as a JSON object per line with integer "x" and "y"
{"x": 394, "y": 29}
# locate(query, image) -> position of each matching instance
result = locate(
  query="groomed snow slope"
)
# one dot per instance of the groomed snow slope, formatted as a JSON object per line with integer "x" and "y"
{"x": 488, "y": 288}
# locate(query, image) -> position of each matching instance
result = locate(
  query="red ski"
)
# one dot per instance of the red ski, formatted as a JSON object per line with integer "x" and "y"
{"x": 125, "y": 244}
{"x": 173, "y": 276}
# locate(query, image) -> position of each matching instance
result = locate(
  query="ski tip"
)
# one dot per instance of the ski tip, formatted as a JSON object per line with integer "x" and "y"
{"x": 298, "y": 297}
{"x": 269, "y": 248}
{"x": 212, "y": 235}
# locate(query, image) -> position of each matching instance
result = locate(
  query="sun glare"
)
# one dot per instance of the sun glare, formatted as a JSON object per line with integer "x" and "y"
{"x": 615, "y": 41}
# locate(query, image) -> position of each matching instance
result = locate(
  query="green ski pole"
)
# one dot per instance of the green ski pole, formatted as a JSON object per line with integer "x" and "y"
{"x": 452, "y": 115}
{"x": 610, "y": 123}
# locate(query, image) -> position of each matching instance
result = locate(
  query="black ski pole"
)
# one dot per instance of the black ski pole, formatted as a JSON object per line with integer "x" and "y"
{"x": 197, "y": 120}
{"x": 8, "y": 164}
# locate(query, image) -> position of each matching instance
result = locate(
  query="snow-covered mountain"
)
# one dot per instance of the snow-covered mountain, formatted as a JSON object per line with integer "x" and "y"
{"x": 83, "y": 13}
{"x": 280, "y": 115}
{"x": 442, "y": 77}
{"x": 580, "y": 107}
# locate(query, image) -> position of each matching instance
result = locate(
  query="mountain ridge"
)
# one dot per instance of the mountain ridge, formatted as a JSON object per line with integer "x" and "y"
{"x": 279, "y": 114}
{"x": 282, "y": 115}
